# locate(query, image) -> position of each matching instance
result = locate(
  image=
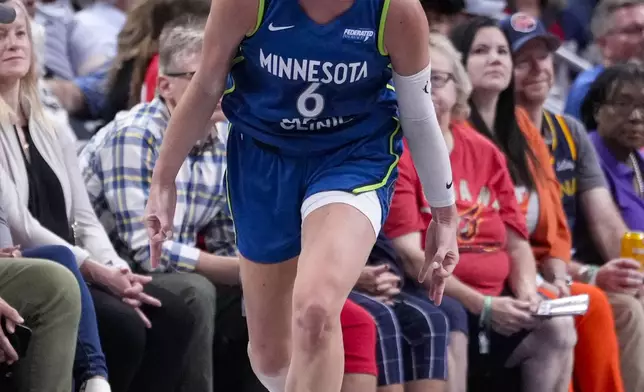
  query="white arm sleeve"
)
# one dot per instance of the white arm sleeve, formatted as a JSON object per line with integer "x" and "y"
{"x": 424, "y": 137}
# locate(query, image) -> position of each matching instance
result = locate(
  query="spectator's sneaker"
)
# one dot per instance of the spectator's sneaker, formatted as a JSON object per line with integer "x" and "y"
{"x": 96, "y": 385}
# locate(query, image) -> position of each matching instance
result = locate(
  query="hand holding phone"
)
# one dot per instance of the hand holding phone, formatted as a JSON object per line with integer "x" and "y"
{"x": 10, "y": 319}
{"x": 567, "y": 306}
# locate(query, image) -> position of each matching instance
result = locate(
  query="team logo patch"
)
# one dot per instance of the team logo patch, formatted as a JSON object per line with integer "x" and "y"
{"x": 523, "y": 23}
{"x": 359, "y": 35}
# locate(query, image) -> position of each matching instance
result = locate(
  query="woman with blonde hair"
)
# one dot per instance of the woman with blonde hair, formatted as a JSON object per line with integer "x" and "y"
{"x": 495, "y": 280}
{"x": 50, "y": 206}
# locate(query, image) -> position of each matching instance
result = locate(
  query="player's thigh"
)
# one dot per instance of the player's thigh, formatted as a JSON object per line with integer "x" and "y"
{"x": 264, "y": 192}
{"x": 264, "y": 198}
{"x": 337, "y": 237}
{"x": 346, "y": 201}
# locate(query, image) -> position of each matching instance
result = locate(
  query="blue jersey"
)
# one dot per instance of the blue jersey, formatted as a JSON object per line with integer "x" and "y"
{"x": 309, "y": 88}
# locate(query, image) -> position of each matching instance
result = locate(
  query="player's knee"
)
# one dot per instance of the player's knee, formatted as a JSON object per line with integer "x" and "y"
{"x": 315, "y": 322}
{"x": 269, "y": 358}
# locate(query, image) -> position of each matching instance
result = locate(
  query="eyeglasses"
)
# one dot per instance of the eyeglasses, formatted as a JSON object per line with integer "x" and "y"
{"x": 625, "y": 107}
{"x": 185, "y": 75}
{"x": 439, "y": 79}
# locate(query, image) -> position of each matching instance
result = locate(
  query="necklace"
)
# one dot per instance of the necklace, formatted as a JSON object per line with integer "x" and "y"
{"x": 638, "y": 178}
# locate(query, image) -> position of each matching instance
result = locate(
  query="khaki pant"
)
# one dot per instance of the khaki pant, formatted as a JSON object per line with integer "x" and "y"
{"x": 47, "y": 296}
{"x": 629, "y": 323}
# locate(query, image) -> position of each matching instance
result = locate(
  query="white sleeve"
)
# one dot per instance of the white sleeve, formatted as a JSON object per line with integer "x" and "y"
{"x": 25, "y": 229}
{"x": 94, "y": 238}
{"x": 424, "y": 137}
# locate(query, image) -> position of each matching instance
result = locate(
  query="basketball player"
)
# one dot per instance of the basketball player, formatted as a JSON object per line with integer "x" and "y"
{"x": 312, "y": 152}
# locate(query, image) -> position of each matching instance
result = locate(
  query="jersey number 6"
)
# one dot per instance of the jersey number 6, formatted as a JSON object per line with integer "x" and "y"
{"x": 304, "y": 102}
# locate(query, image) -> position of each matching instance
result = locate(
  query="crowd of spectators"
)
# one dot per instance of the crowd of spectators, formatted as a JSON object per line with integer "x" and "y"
{"x": 544, "y": 196}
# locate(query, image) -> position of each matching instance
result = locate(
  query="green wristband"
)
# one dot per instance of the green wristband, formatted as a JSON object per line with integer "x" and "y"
{"x": 484, "y": 319}
{"x": 592, "y": 275}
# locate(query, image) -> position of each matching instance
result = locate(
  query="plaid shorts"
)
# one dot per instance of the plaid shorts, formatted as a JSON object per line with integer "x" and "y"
{"x": 412, "y": 338}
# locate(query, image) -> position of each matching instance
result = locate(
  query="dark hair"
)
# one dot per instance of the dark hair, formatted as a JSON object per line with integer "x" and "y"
{"x": 604, "y": 87}
{"x": 506, "y": 135}
{"x": 138, "y": 41}
{"x": 444, "y": 7}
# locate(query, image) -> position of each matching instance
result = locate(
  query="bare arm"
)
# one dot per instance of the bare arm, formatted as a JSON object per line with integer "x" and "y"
{"x": 229, "y": 21}
{"x": 470, "y": 298}
{"x": 413, "y": 258}
{"x": 69, "y": 95}
{"x": 605, "y": 224}
{"x": 218, "y": 269}
{"x": 407, "y": 42}
{"x": 523, "y": 270}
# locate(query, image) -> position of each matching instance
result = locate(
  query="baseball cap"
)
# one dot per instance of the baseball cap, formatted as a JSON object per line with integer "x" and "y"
{"x": 522, "y": 28}
{"x": 7, "y": 14}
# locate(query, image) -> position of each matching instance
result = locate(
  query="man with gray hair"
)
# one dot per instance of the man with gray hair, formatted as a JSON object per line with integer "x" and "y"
{"x": 117, "y": 168}
{"x": 618, "y": 30}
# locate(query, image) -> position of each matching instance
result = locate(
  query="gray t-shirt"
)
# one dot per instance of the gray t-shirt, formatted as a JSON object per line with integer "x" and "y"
{"x": 589, "y": 172}
{"x": 589, "y": 176}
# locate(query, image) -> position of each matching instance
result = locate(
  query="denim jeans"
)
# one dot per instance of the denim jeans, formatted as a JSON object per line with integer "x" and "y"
{"x": 89, "y": 360}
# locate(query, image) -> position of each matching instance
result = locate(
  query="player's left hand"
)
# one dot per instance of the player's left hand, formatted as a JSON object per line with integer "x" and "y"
{"x": 441, "y": 257}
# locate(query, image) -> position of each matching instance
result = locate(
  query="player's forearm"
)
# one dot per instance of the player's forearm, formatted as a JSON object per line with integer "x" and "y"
{"x": 188, "y": 125}
{"x": 406, "y": 38}
{"x": 425, "y": 139}
{"x": 218, "y": 269}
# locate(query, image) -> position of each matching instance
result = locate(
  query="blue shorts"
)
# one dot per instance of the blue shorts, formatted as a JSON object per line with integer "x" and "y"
{"x": 266, "y": 189}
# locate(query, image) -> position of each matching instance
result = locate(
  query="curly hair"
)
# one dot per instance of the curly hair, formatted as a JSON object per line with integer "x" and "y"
{"x": 604, "y": 88}
{"x": 138, "y": 41}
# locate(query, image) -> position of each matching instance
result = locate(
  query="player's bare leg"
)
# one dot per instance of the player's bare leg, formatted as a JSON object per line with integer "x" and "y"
{"x": 336, "y": 241}
{"x": 268, "y": 291}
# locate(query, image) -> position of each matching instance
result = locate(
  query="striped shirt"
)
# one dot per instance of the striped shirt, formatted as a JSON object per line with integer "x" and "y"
{"x": 56, "y": 18}
{"x": 117, "y": 168}
{"x": 93, "y": 36}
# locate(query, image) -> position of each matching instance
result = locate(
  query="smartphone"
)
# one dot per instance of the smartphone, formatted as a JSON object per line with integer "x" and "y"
{"x": 568, "y": 306}
{"x": 20, "y": 342}
{"x": 19, "y": 339}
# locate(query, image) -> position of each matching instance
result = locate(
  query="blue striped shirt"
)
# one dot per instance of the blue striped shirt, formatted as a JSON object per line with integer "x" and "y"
{"x": 117, "y": 168}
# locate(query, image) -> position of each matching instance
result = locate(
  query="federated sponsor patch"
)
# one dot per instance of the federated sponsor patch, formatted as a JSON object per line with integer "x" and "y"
{"x": 359, "y": 35}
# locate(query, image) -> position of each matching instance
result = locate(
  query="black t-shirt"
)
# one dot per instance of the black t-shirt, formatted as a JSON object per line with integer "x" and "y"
{"x": 46, "y": 198}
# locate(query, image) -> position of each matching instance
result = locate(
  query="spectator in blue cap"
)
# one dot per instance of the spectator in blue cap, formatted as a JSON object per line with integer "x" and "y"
{"x": 591, "y": 214}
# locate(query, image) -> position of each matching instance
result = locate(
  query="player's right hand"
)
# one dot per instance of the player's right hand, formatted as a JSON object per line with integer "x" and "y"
{"x": 159, "y": 215}
{"x": 441, "y": 251}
